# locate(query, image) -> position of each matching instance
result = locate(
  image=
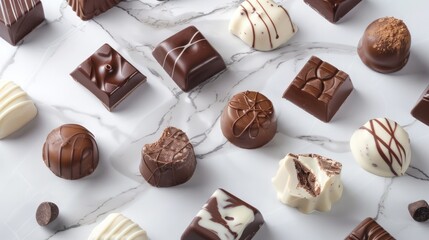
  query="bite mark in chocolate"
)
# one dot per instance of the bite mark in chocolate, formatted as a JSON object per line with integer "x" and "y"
{"x": 307, "y": 179}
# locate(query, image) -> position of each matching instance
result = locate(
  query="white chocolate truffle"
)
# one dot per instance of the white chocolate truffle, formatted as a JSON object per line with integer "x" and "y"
{"x": 308, "y": 182}
{"x": 262, "y": 24}
{"x": 382, "y": 147}
{"x": 16, "y": 108}
{"x": 117, "y": 227}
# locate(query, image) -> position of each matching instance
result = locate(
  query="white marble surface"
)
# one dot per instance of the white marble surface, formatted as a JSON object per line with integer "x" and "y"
{"x": 42, "y": 63}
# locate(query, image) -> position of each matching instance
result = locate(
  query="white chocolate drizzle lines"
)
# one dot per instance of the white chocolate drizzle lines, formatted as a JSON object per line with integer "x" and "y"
{"x": 12, "y": 10}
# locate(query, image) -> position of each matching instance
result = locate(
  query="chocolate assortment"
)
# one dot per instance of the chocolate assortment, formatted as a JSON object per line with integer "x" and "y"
{"x": 224, "y": 216}
{"x": 87, "y": 9}
{"x": 419, "y": 210}
{"x": 332, "y": 10}
{"x": 18, "y": 18}
{"x": 320, "y": 89}
{"x": 46, "y": 213}
{"x": 369, "y": 229}
{"x": 421, "y": 109}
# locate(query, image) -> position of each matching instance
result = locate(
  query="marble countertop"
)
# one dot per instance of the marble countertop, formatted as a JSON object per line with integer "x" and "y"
{"x": 43, "y": 62}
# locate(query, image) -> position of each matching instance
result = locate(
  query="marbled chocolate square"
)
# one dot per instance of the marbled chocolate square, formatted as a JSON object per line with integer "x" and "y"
{"x": 188, "y": 58}
{"x": 224, "y": 216}
{"x": 87, "y": 9}
{"x": 369, "y": 229}
{"x": 320, "y": 89}
{"x": 332, "y": 10}
{"x": 421, "y": 110}
{"x": 18, "y": 18}
{"x": 109, "y": 76}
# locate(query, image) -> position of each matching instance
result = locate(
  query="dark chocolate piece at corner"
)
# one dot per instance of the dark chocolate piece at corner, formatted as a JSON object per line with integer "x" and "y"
{"x": 332, "y": 10}
{"x": 188, "y": 58}
{"x": 219, "y": 219}
{"x": 419, "y": 210}
{"x": 46, "y": 213}
{"x": 87, "y": 9}
{"x": 109, "y": 76}
{"x": 320, "y": 89}
{"x": 369, "y": 229}
{"x": 170, "y": 161}
{"x": 421, "y": 110}
{"x": 18, "y": 18}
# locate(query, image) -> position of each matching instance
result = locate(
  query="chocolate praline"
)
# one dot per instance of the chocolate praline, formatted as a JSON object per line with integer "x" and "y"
{"x": 385, "y": 45}
{"x": 70, "y": 152}
{"x": 248, "y": 121}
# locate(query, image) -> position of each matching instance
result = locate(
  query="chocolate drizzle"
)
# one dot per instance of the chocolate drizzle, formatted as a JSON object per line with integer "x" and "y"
{"x": 369, "y": 229}
{"x": 307, "y": 179}
{"x": 251, "y": 24}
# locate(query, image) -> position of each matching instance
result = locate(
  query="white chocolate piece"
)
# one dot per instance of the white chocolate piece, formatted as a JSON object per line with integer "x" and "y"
{"x": 382, "y": 147}
{"x": 262, "y": 24}
{"x": 308, "y": 182}
{"x": 117, "y": 227}
{"x": 16, "y": 108}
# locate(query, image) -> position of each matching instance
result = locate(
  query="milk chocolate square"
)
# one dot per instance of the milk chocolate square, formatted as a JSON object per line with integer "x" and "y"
{"x": 320, "y": 89}
{"x": 421, "y": 110}
{"x": 18, "y": 18}
{"x": 188, "y": 58}
{"x": 332, "y": 10}
{"x": 369, "y": 229}
{"x": 224, "y": 216}
{"x": 109, "y": 76}
{"x": 87, "y": 9}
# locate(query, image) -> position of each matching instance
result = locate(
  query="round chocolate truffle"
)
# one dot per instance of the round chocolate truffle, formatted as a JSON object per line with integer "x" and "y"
{"x": 70, "y": 151}
{"x": 385, "y": 45}
{"x": 248, "y": 120}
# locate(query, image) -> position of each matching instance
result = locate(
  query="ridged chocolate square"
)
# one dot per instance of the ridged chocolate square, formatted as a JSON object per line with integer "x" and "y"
{"x": 369, "y": 229}
{"x": 18, "y": 18}
{"x": 421, "y": 110}
{"x": 109, "y": 76}
{"x": 320, "y": 89}
{"x": 332, "y": 10}
{"x": 87, "y": 9}
{"x": 188, "y": 58}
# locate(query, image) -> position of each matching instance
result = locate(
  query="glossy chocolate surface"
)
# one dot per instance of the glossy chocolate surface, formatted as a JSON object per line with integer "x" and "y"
{"x": 332, "y": 10}
{"x": 170, "y": 161}
{"x": 87, "y": 9}
{"x": 385, "y": 45}
{"x": 188, "y": 58}
{"x": 320, "y": 89}
{"x": 70, "y": 152}
{"x": 369, "y": 229}
{"x": 109, "y": 76}
{"x": 224, "y": 216}
{"x": 419, "y": 210}
{"x": 421, "y": 110}
{"x": 248, "y": 121}
{"x": 18, "y": 18}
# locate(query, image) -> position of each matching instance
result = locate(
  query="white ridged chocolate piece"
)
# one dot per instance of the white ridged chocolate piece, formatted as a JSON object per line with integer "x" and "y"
{"x": 117, "y": 227}
{"x": 382, "y": 147}
{"x": 308, "y": 182}
{"x": 16, "y": 108}
{"x": 262, "y": 24}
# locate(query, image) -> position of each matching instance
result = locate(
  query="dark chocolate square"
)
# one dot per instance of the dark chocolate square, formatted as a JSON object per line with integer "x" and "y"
{"x": 369, "y": 229}
{"x": 332, "y": 10}
{"x": 18, "y": 18}
{"x": 188, "y": 58}
{"x": 87, "y": 9}
{"x": 224, "y": 216}
{"x": 320, "y": 89}
{"x": 108, "y": 76}
{"x": 421, "y": 110}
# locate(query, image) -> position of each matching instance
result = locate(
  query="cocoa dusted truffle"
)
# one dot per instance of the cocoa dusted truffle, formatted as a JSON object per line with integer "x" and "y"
{"x": 70, "y": 152}
{"x": 170, "y": 161}
{"x": 385, "y": 45}
{"x": 248, "y": 121}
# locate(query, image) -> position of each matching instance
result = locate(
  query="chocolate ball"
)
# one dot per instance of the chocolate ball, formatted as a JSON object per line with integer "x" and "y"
{"x": 70, "y": 152}
{"x": 248, "y": 120}
{"x": 385, "y": 45}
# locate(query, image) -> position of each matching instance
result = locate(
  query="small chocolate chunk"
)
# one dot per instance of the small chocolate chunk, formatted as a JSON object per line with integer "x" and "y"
{"x": 46, "y": 213}
{"x": 419, "y": 210}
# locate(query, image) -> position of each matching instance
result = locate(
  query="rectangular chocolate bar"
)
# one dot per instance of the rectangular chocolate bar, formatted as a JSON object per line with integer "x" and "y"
{"x": 18, "y": 18}
{"x": 188, "y": 58}
{"x": 369, "y": 229}
{"x": 332, "y": 10}
{"x": 108, "y": 76}
{"x": 320, "y": 89}
{"x": 421, "y": 110}
{"x": 87, "y": 9}
{"x": 224, "y": 216}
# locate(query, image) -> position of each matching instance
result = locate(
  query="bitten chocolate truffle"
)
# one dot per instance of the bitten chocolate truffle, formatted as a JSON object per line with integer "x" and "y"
{"x": 419, "y": 210}
{"x": 385, "y": 45}
{"x": 188, "y": 58}
{"x": 109, "y": 76}
{"x": 320, "y": 89}
{"x": 170, "y": 161}
{"x": 46, "y": 213}
{"x": 70, "y": 152}
{"x": 332, "y": 10}
{"x": 421, "y": 110}
{"x": 224, "y": 216}
{"x": 87, "y": 9}
{"x": 369, "y": 229}
{"x": 248, "y": 121}
{"x": 18, "y": 18}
